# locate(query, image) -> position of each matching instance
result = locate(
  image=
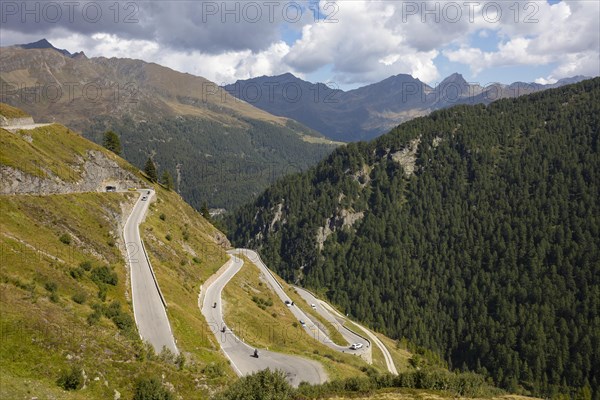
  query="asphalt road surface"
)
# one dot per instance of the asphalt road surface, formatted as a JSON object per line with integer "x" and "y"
{"x": 350, "y": 336}
{"x": 241, "y": 355}
{"x": 310, "y": 326}
{"x": 148, "y": 307}
{"x": 389, "y": 361}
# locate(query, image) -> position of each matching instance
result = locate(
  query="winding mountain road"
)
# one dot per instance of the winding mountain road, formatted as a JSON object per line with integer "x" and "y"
{"x": 297, "y": 369}
{"x": 389, "y": 361}
{"x": 310, "y": 326}
{"x": 148, "y": 303}
{"x": 350, "y": 336}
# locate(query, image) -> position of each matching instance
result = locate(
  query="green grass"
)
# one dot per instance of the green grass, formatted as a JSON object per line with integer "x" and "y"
{"x": 399, "y": 355}
{"x": 275, "y": 327}
{"x": 54, "y": 149}
{"x": 43, "y": 330}
{"x": 181, "y": 266}
{"x": 12, "y": 112}
{"x": 47, "y": 293}
{"x": 332, "y": 331}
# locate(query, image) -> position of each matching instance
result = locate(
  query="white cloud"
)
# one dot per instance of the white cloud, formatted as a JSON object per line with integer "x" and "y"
{"x": 370, "y": 41}
{"x": 566, "y": 34}
{"x": 226, "y": 67}
{"x": 546, "y": 81}
{"x": 365, "y": 45}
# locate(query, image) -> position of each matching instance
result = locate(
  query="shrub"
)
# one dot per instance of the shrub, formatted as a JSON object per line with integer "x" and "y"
{"x": 54, "y": 297}
{"x": 169, "y": 237}
{"x": 102, "y": 290}
{"x": 162, "y": 216}
{"x": 265, "y": 384}
{"x": 124, "y": 322}
{"x": 77, "y": 273}
{"x": 196, "y": 260}
{"x": 65, "y": 238}
{"x": 214, "y": 370}
{"x": 151, "y": 389}
{"x": 94, "y": 318}
{"x": 113, "y": 309}
{"x": 51, "y": 286}
{"x": 86, "y": 265}
{"x": 71, "y": 380}
{"x": 79, "y": 297}
{"x": 104, "y": 275}
{"x": 180, "y": 361}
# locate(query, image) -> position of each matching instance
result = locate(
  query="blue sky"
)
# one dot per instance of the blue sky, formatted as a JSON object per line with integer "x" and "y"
{"x": 349, "y": 42}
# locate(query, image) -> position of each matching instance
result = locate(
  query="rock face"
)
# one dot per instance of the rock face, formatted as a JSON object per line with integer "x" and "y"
{"x": 98, "y": 172}
{"x": 408, "y": 157}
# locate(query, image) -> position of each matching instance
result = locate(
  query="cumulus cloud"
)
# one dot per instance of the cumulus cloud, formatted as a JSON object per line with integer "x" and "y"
{"x": 363, "y": 45}
{"x": 359, "y": 41}
{"x": 538, "y": 33}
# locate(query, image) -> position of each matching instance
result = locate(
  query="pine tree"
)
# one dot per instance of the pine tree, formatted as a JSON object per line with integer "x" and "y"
{"x": 112, "y": 142}
{"x": 150, "y": 170}
{"x": 167, "y": 180}
{"x": 204, "y": 211}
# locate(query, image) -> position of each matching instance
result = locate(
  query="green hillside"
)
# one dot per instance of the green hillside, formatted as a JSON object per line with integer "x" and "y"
{"x": 223, "y": 165}
{"x": 474, "y": 232}
{"x": 65, "y": 307}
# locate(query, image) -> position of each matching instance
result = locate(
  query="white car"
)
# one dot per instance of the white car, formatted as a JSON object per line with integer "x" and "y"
{"x": 313, "y": 306}
{"x": 144, "y": 198}
{"x": 356, "y": 346}
{"x": 302, "y": 322}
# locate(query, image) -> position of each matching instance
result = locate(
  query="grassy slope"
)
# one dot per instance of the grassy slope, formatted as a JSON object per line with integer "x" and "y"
{"x": 275, "y": 327}
{"x": 52, "y": 149}
{"x": 417, "y": 394}
{"x": 11, "y": 112}
{"x": 42, "y": 336}
{"x": 332, "y": 331}
{"x": 182, "y": 264}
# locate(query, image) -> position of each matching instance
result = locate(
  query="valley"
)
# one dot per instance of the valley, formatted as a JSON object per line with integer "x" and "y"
{"x": 174, "y": 239}
{"x": 441, "y": 231}
{"x": 220, "y": 151}
{"x": 124, "y": 303}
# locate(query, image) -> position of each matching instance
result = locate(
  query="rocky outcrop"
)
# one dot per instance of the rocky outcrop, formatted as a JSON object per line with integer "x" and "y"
{"x": 344, "y": 219}
{"x": 408, "y": 157}
{"x": 15, "y": 122}
{"x": 95, "y": 173}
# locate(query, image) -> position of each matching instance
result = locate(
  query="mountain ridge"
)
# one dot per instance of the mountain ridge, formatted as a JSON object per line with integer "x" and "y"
{"x": 218, "y": 149}
{"x": 368, "y": 111}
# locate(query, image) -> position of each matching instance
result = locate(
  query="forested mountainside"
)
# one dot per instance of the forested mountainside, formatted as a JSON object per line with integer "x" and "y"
{"x": 474, "y": 231}
{"x": 220, "y": 165}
